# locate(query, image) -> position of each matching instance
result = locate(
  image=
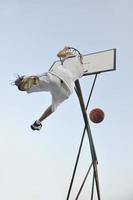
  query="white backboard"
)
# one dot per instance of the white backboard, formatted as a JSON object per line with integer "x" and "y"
{"x": 98, "y": 62}
{"x": 101, "y": 61}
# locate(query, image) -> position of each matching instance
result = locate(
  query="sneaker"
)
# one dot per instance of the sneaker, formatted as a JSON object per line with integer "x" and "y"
{"x": 36, "y": 126}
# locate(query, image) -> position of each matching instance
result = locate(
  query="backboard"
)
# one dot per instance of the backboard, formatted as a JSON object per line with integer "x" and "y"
{"x": 98, "y": 62}
{"x": 101, "y": 61}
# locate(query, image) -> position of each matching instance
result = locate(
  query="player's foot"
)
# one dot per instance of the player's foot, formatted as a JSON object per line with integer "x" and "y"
{"x": 36, "y": 126}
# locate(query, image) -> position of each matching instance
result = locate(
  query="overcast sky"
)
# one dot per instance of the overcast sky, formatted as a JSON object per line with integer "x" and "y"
{"x": 38, "y": 166}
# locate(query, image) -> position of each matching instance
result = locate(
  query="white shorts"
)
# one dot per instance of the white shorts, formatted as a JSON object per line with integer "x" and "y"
{"x": 58, "y": 89}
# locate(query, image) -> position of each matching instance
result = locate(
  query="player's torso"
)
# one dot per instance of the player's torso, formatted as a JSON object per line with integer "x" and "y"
{"x": 69, "y": 71}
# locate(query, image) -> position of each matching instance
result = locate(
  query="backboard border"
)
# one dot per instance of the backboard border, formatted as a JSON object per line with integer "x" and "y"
{"x": 98, "y": 72}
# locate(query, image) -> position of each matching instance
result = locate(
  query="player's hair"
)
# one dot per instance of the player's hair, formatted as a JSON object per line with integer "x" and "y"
{"x": 18, "y": 82}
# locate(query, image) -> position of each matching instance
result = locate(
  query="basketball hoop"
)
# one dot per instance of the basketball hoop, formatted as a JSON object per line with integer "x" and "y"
{"x": 67, "y": 52}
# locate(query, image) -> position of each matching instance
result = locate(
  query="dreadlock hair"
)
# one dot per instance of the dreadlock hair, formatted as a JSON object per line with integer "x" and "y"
{"x": 18, "y": 82}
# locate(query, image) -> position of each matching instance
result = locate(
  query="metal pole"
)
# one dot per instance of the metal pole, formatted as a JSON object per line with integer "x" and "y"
{"x": 82, "y": 185}
{"x": 92, "y": 147}
{"x": 81, "y": 142}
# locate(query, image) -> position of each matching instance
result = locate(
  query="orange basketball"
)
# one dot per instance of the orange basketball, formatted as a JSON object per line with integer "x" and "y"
{"x": 96, "y": 115}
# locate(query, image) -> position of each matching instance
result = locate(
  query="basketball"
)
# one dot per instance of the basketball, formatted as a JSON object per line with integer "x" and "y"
{"x": 96, "y": 115}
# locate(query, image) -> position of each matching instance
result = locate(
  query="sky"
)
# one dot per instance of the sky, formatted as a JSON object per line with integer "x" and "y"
{"x": 39, "y": 165}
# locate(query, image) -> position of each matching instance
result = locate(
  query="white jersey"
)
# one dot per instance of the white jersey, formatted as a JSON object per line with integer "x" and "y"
{"x": 51, "y": 83}
{"x": 70, "y": 71}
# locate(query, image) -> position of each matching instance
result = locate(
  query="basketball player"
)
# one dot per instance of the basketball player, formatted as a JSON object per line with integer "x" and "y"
{"x": 59, "y": 81}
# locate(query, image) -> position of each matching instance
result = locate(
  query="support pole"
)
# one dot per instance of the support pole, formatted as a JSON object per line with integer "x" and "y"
{"x": 92, "y": 147}
{"x": 81, "y": 142}
{"x": 82, "y": 185}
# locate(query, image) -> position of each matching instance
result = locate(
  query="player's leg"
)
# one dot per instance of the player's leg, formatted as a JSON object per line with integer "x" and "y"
{"x": 37, "y": 125}
{"x": 46, "y": 114}
{"x": 60, "y": 92}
